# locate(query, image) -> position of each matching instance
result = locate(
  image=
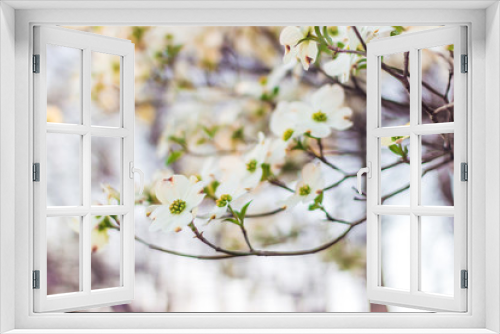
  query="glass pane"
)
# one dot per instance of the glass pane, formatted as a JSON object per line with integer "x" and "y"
{"x": 106, "y": 170}
{"x": 106, "y": 252}
{"x": 437, "y": 170}
{"x": 395, "y": 251}
{"x": 63, "y": 169}
{"x": 437, "y": 84}
{"x": 105, "y": 92}
{"x": 436, "y": 238}
{"x": 395, "y": 174}
{"x": 395, "y": 110}
{"x": 64, "y": 66}
{"x": 63, "y": 254}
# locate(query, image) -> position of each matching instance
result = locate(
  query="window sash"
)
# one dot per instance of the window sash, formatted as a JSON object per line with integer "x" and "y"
{"x": 86, "y": 297}
{"x": 413, "y": 43}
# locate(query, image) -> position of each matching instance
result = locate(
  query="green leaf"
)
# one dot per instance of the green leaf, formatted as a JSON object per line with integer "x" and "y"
{"x": 179, "y": 140}
{"x": 333, "y": 31}
{"x": 319, "y": 199}
{"x": 243, "y": 211}
{"x": 326, "y": 35}
{"x": 211, "y": 188}
{"x": 276, "y": 91}
{"x": 317, "y": 30}
{"x": 298, "y": 145}
{"x": 211, "y": 131}
{"x": 397, "y": 30}
{"x": 314, "y": 206}
{"x": 396, "y": 149}
{"x": 173, "y": 157}
{"x": 232, "y": 220}
{"x": 238, "y": 134}
{"x": 266, "y": 171}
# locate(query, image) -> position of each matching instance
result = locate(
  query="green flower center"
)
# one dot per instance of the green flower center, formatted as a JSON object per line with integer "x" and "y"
{"x": 252, "y": 165}
{"x": 319, "y": 116}
{"x": 223, "y": 200}
{"x": 304, "y": 190}
{"x": 287, "y": 134}
{"x": 177, "y": 206}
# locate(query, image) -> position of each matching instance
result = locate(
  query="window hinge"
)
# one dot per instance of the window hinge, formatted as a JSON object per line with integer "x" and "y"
{"x": 465, "y": 64}
{"x": 36, "y": 279}
{"x": 36, "y": 63}
{"x": 464, "y": 171}
{"x": 464, "y": 279}
{"x": 36, "y": 172}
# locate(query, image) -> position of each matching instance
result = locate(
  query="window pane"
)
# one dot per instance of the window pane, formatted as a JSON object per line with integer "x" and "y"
{"x": 395, "y": 170}
{"x": 395, "y": 251}
{"x": 105, "y": 89}
{"x": 437, "y": 170}
{"x": 63, "y": 254}
{"x": 106, "y": 252}
{"x": 437, "y": 84}
{"x": 63, "y": 169}
{"x": 436, "y": 238}
{"x": 106, "y": 170}
{"x": 64, "y": 66}
{"x": 395, "y": 99}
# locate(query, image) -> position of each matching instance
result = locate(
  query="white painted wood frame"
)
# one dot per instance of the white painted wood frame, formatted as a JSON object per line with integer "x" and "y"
{"x": 87, "y": 43}
{"x": 18, "y": 17}
{"x": 414, "y": 43}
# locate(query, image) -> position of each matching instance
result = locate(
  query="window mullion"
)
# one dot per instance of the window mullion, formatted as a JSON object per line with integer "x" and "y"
{"x": 85, "y": 242}
{"x": 414, "y": 170}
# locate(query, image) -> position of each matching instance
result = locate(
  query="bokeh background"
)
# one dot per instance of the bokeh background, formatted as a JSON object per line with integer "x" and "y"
{"x": 211, "y": 86}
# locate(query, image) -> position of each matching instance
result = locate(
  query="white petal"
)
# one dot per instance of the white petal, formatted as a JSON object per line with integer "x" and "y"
{"x": 252, "y": 179}
{"x": 291, "y": 35}
{"x": 338, "y": 66}
{"x": 194, "y": 197}
{"x": 310, "y": 173}
{"x": 291, "y": 201}
{"x": 150, "y": 209}
{"x": 340, "y": 120}
{"x": 290, "y": 55}
{"x": 282, "y": 118}
{"x": 321, "y": 130}
{"x": 179, "y": 222}
{"x": 168, "y": 190}
{"x": 99, "y": 240}
{"x": 218, "y": 211}
{"x": 253, "y": 89}
{"x": 308, "y": 50}
{"x": 328, "y": 98}
{"x": 354, "y": 41}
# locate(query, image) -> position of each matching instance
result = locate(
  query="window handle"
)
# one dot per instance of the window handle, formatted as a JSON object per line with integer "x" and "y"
{"x": 368, "y": 171}
{"x": 133, "y": 170}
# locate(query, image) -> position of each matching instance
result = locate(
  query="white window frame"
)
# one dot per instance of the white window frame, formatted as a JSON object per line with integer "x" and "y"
{"x": 484, "y": 102}
{"x": 124, "y": 132}
{"x": 415, "y": 210}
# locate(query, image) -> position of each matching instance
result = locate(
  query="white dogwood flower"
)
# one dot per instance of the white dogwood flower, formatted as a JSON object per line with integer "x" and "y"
{"x": 324, "y": 112}
{"x": 284, "y": 122}
{"x": 341, "y": 66}
{"x": 310, "y": 185}
{"x": 180, "y": 198}
{"x": 249, "y": 170}
{"x": 226, "y": 193}
{"x": 266, "y": 86}
{"x": 305, "y": 51}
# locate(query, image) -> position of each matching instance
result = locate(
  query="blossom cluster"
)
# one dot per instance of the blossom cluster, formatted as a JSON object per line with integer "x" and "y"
{"x": 291, "y": 124}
